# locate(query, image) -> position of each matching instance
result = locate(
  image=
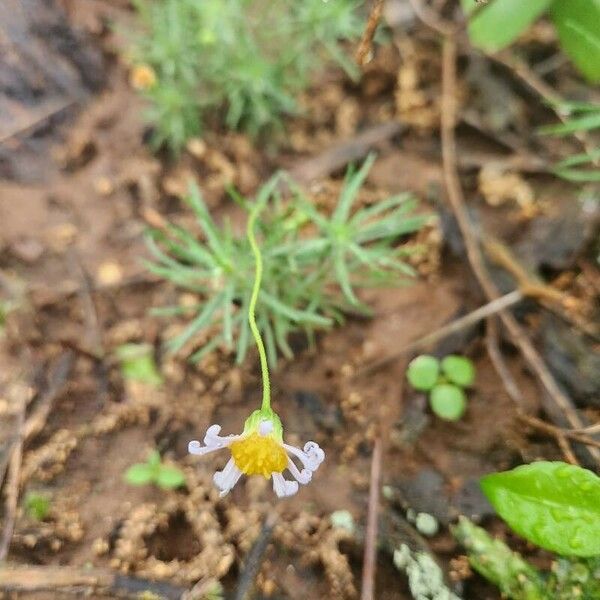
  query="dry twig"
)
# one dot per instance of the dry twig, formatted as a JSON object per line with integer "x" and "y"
{"x": 12, "y": 485}
{"x": 83, "y": 583}
{"x": 370, "y": 554}
{"x": 59, "y": 372}
{"x": 493, "y": 349}
{"x": 341, "y": 154}
{"x": 557, "y": 432}
{"x": 365, "y": 48}
{"x": 558, "y": 405}
{"x": 455, "y": 326}
{"x": 255, "y": 557}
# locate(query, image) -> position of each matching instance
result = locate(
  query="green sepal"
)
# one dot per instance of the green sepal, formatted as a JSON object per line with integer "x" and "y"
{"x": 262, "y": 414}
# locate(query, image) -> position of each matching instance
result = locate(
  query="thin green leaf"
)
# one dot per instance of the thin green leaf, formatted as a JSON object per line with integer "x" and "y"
{"x": 206, "y": 349}
{"x": 403, "y": 202}
{"x": 552, "y": 504}
{"x": 197, "y": 324}
{"x": 343, "y": 277}
{"x": 586, "y": 123}
{"x": 567, "y": 168}
{"x": 350, "y": 190}
{"x": 299, "y": 316}
{"x": 228, "y": 314}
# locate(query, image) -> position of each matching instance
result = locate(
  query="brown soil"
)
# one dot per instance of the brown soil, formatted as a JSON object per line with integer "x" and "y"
{"x": 70, "y": 249}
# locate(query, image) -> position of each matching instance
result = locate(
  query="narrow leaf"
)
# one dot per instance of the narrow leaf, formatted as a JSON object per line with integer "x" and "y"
{"x": 586, "y": 123}
{"x": 352, "y": 184}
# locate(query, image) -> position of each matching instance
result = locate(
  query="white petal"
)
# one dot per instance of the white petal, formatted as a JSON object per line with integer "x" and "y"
{"x": 282, "y": 487}
{"x": 226, "y": 479}
{"x": 212, "y": 441}
{"x": 303, "y": 476}
{"x": 312, "y": 455}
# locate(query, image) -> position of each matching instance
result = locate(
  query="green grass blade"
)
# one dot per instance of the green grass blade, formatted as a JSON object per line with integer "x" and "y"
{"x": 352, "y": 185}
{"x": 197, "y": 324}
{"x": 586, "y": 123}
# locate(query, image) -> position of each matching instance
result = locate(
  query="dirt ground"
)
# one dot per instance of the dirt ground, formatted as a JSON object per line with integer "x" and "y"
{"x": 79, "y": 187}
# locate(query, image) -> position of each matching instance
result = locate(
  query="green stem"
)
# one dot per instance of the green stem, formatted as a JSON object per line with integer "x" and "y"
{"x": 264, "y": 367}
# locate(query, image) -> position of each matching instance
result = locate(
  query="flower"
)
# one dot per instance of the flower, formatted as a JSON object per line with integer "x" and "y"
{"x": 142, "y": 77}
{"x": 260, "y": 450}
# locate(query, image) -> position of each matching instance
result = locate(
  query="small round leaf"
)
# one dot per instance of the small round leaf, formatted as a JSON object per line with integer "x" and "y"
{"x": 423, "y": 372}
{"x": 448, "y": 402}
{"x": 459, "y": 370}
{"x": 170, "y": 477}
{"x": 139, "y": 474}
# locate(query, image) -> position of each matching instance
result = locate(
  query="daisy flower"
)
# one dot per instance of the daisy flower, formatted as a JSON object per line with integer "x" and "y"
{"x": 260, "y": 450}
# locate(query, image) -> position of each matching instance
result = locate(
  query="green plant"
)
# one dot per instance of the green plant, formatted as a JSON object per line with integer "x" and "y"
{"x": 552, "y": 504}
{"x": 313, "y": 264}
{"x": 568, "y": 579}
{"x": 580, "y": 117}
{"x": 499, "y": 23}
{"x": 245, "y": 59}
{"x": 154, "y": 472}
{"x": 137, "y": 363}
{"x": 37, "y": 505}
{"x": 444, "y": 381}
{"x": 425, "y": 577}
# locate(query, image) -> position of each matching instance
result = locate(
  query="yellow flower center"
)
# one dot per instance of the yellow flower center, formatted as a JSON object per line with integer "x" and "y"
{"x": 258, "y": 455}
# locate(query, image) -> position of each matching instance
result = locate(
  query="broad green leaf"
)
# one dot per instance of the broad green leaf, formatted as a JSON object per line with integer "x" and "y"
{"x": 552, "y": 504}
{"x": 169, "y": 478}
{"x": 423, "y": 372}
{"x": 140, "y": 474}
{"x": 448, "y": 401}
{"x": 502, "y": 21}
{"x": 578, "y": 26}
{"x": 458, "y": 370}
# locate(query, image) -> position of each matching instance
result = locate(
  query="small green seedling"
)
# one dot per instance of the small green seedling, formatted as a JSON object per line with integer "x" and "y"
{"x": 37, "y": 506}
{"x": 553, "y": 505}
{"x": 137, "y": 363}
{"x": 154, "y": 472}
{"x": 445, "y": 381}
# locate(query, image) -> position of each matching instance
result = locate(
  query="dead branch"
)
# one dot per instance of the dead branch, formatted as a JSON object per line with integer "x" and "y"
{"x": 557, "y": 403}
{"x": 557, "y": 432}
{"x": 370, "y": 554}
{"x": 365, "y": 48}
{"x": 339, "y": 155}
{"x": 493, "y": 349}
{"x": 59, "y": 372}
{"x": 12, "y": 485}
{"x": 82, "y": 582}
{"x": 455, "y": 326}
{"x": 255, "y": 558}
